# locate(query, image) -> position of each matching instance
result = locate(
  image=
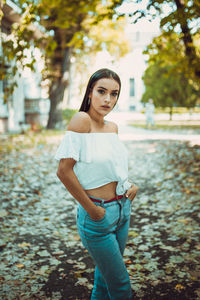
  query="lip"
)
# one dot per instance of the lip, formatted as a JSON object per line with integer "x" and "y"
{"x": 105, "y": 107}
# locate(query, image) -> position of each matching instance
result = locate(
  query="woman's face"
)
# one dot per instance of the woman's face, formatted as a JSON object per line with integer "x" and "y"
{"x": 104, "y": 95}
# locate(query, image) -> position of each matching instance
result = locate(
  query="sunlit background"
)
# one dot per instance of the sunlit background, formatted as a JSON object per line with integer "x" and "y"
{"x": 29, "y": 102}
{"x": 48, "y": 51}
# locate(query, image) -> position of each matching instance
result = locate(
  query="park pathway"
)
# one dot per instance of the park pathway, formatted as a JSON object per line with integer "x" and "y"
{"x": 41, "y": 253}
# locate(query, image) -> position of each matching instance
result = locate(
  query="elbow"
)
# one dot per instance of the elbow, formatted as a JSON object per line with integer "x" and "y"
{"x": 65, "y": 169}
{"x": 60, "y": 173}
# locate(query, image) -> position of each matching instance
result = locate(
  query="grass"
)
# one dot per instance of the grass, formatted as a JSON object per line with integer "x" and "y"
{"x": 170, "y": 125}
{"x": 176, "y": 110}
{"x": 32, "y": 139}
{"x": 29, "y": 139}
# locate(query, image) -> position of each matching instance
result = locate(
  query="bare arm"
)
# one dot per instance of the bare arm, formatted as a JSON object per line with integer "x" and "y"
{"x": 67, "y": 176}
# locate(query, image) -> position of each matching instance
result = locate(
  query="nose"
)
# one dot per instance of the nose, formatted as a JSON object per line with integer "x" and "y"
{"x": 107, "y": 98}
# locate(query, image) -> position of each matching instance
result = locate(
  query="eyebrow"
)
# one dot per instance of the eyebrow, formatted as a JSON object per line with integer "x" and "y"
{"x": 101, "y": 87}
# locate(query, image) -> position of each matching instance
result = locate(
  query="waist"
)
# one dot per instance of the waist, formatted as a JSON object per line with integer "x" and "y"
{"x": 98, "y": 200}
{"x": 106, "y": 192}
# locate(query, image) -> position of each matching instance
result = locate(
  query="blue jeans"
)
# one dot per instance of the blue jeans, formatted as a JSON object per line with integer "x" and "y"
{"x": 105, "y": 241}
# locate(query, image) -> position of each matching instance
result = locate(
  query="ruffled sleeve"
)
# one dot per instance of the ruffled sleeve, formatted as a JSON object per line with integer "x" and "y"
{"x": 74, "y": 145}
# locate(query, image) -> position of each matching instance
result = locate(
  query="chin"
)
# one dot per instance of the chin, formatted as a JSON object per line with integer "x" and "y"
{"x": 105, "y": 113}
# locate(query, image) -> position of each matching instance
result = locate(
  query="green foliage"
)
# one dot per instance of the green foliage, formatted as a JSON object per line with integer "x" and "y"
{"x": 111, "y": 34}
{"x": 54, "y": 26}
{"x": 68, "y": 114}
{"x": 169, "y": 48}
{"x": 168, "y": 79}
{"x": 168, "y": 88}
{"x": 173, "y": 75}
{"x": 177, "y": 16}
{"x": 14, "y": 47}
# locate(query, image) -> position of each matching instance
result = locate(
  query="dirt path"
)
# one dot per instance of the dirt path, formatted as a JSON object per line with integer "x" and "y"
{"x": 41, "y": 254}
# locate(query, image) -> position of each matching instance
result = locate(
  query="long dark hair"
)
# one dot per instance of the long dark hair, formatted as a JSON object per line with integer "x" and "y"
{"x": 102, "y": 73}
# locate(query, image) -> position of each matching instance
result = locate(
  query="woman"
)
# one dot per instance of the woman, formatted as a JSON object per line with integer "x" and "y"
{"x": 93, "y": 167}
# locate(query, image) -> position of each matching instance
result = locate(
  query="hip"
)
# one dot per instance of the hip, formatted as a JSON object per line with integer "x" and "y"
{"x": 117, "y": 213}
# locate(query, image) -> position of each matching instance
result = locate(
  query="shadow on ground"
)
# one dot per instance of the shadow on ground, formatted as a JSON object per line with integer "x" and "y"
{"x": 41, "y": 253}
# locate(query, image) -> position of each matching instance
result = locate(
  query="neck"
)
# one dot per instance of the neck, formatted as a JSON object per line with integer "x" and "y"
{"x": 98, "y": 119}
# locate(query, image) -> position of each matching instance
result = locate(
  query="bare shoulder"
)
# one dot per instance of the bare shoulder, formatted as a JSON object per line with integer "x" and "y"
{"x": 113, "y": 127}
{"x": 80, "y": 122}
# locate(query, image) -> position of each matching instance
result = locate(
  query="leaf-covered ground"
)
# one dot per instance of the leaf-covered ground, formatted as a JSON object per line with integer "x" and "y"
{"x": 41, "y": 253}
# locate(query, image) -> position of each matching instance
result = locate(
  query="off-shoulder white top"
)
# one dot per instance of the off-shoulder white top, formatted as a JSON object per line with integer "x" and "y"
{"x": 100, "y": 157}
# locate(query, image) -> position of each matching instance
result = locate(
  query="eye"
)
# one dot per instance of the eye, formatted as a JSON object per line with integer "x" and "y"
{"x": 114, "y": 94}
{"x": 101, "y": 92}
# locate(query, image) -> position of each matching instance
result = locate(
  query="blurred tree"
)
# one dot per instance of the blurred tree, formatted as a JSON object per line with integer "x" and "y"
{"x": 103, "y": 33}
{"x": 70, "y": 28}
{"x": 173, "y": 75}
{"x": 180, "y": 16}
{"x": 168, "y": 91}
{"x": 167, "y": 79}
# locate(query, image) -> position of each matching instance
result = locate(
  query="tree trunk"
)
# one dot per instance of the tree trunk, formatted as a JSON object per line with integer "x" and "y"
{"x": 56, "y": 97}
{"x": 190, "y": 51}
{"x": 56, "y": 93}
{"x": 170, "y": 113}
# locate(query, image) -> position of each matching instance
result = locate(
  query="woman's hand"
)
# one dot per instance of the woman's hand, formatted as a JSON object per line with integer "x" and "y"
{"x": 131, "y": 193}
{"x": 98, "y": 213}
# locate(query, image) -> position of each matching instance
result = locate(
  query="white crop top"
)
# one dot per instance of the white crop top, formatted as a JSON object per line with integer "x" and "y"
{"x": 100, "y": 157}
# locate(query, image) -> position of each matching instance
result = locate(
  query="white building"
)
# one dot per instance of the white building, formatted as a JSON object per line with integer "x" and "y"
{"x": 29, "y": 105}
{"x": 130, "y": 69}
{"x": 25, "y": 104}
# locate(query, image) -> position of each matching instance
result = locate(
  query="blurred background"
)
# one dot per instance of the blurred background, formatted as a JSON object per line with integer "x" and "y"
{"x": 49, "y": 49}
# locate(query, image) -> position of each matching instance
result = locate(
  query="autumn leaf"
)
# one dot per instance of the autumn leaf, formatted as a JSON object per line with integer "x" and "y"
{"x": 163, "y": 242}
{"x": 179, "y": 287}
{"x": 184, "y": 221}
{"x": 22, "y": 245}
{"x": 133, "y": 233}
{"x": 3, "y": 213}
{"x": 20, "y": 266}
{"x": 128, "y": 262}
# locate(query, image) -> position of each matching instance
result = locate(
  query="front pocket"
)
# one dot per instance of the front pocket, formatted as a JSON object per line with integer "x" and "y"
{"x": 104, "y": 225}
{"x": 97, "y": 221}
{"x": 127, "y": 207}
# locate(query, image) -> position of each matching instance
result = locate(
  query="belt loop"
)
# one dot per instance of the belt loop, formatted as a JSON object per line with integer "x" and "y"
{"x": 102, "y": 204}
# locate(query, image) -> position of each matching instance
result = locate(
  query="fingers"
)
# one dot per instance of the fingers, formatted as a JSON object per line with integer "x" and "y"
{"x": 131, "y": 193}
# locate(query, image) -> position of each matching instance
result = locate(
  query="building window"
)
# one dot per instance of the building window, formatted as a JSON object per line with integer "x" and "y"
{"x": 32, "y": 106}
{"x": 132, "y": 87}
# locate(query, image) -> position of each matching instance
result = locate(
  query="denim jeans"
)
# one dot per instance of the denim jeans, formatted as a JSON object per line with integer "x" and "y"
{"x": 105, "y": 241}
